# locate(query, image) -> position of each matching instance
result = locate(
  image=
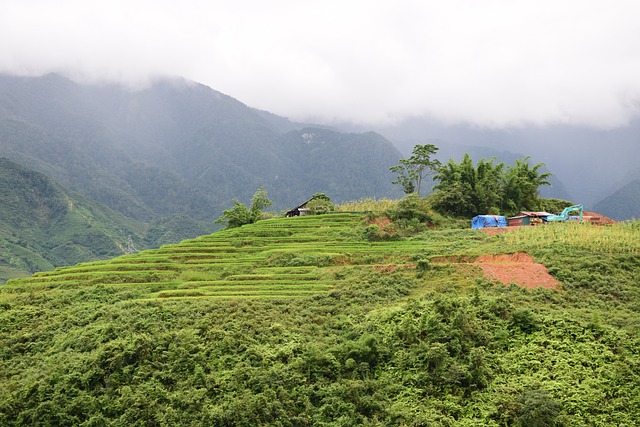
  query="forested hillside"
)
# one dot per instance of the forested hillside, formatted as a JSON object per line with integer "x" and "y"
{"x": 178, "y": 147}
{"x": 623, "y": 204}
{"x": 318, "y": 320}
{"x": 42, "y": 225}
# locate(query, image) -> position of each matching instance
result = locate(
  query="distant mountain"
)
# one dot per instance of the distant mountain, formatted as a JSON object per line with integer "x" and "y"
{"x": 587, "y": 163}
{"x": 623, "y": 204}
{"x": 178, "y": 147}
{"x": 43, "y": 226}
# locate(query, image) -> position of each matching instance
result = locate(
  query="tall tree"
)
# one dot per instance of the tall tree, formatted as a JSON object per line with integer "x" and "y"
{"x": 464, "y": 189}
{"x": 521, "y": 185}
{"x": 413, "y": 170}
{"x": 240, "y": 215}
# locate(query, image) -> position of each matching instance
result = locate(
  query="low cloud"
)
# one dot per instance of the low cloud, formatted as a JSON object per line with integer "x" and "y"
{"x": 492, "y": 63}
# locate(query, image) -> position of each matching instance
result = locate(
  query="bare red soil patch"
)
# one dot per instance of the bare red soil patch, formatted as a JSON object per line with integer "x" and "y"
{"x": 517, "y": 268}
{"x": 595, "y": 218}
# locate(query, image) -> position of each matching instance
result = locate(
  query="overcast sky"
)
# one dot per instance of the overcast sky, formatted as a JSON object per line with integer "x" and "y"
{"x": 487, "y": 63}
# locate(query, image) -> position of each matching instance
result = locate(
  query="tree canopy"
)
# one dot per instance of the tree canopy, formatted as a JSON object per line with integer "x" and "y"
{"x": 488, "y": 187}
{"x": 413, "y": 170}
{"x": 240, "y": 215}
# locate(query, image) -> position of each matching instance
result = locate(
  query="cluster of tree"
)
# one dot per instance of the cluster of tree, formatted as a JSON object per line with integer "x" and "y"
{"x": 240, "y": 215}
{"x": 488, "y": 187}
{"x": 320, "y": 203}
{"x": 465, "y": 189}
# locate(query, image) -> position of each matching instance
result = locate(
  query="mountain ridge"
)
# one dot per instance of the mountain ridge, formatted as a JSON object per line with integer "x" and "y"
{"x": 109, "y": 143}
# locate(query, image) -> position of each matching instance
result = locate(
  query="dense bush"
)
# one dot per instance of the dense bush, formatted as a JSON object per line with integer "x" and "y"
{"x": 380, "y": 347}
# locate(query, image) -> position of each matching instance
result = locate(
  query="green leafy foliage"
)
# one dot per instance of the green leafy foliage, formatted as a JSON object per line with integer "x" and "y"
{"x": 320, "y": 203}
{"x": 317, "y": 326}
{"x": 487, "y": 188}
{"x": 413, "y": 170}
{"x": 240, "y": 215}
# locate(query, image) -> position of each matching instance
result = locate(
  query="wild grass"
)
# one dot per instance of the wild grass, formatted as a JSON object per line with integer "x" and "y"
{"x": 622, "y": 238}
{"x": 368, "y": 205}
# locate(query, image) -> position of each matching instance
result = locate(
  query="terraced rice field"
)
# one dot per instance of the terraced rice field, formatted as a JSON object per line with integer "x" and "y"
{"x": 276, "y": 258}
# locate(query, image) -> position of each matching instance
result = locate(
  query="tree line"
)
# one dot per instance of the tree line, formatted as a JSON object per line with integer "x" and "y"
{"x": 462, "y": 189}
{"x": 467, "y": 189}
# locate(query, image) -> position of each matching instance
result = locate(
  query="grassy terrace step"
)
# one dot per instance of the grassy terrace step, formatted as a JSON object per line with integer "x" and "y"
{"x": 276, "y": 257}
{"x": 250, "y": 284}
{"x": 110, "y": 267}
{"x": 273, "y": 276}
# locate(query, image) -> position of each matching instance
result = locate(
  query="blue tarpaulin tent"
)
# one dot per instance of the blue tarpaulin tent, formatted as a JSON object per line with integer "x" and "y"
{"x": 484, "y": 221}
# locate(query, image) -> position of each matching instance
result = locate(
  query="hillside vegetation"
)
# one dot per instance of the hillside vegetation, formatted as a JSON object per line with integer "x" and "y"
{"x": 178, "y": 147}
{"x": 43, "y": 225}
{"x": 307, "y": 321}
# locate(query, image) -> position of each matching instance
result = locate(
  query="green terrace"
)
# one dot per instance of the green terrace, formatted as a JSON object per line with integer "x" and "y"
{"x": 283, "y": 257}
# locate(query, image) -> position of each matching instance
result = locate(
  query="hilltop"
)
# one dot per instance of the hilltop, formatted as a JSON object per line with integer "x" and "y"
{"x": 319, "y": 320}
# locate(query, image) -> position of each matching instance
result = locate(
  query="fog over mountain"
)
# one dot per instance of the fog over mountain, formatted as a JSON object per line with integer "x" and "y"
{"x": 556, "y": 81}
{"x": 590, "y": 163}
{"x": 179, "y": 147}
{"x": 491, "y": 64}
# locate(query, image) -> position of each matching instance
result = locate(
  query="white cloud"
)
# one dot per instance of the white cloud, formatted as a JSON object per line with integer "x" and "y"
{"x": 489, "y": 63}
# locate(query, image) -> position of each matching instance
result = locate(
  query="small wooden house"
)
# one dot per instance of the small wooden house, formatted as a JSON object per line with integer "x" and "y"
{"x": 536, "y": 218}
{"x": 299, "y": 210}
{"x": 518, "y": 221}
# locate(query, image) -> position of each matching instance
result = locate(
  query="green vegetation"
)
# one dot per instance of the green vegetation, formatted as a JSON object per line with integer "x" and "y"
{"x": 467, "y": 190}
{"x": 320, "y": 203}
{"x": 413, "y": 170}
{"x": 367, "y": 205}
{"x": 303, "y": 321}
{"x": 240, "y": 215}
{"x": 42, "y": 225}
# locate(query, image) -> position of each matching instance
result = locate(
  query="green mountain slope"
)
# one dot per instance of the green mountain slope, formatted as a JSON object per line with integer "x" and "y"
{"x": 42, "y": 225}
{"x": 303, "y": 321}
{"x": 623, "y": 204}
{"x": 177, "y": 147}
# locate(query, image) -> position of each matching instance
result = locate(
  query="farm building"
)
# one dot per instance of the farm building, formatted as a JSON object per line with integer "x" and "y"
{"x": 541, "y": 215}
{"x": 518, "y": 220}
{"x": 534, "y": 218}
{"x": 485, "y": 221}
{"x": 299, "y": 210}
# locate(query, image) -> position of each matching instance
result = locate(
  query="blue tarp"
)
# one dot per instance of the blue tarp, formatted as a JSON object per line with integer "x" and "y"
{"x": 484, "y": 221}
